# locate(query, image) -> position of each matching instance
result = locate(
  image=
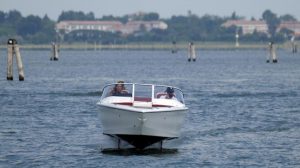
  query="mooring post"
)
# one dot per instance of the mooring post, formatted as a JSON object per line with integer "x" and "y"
{"x": 56, "y": 52}
{"x": 54, "y": 55}
{"x": 10, "y": 53}
{"x": 191, "y": 52}
{"x": 174, "y": 47}
{"x": 294, "y": 45}
{"x": 19, "y": 62}
{"x": 237, "y": 44}
{"x": 13, "y": 48}
{"x": 273, "y": 52}
{"x": 52, "y": 51}
{"x": 270, "y": 52}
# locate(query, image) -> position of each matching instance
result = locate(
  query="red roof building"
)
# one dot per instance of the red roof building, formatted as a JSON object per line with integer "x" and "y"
{"x": 248, "y": 27}
{"x": 291, "y": 25}
{"x": 110, "y": 26}
{"x": 69, "y": 26}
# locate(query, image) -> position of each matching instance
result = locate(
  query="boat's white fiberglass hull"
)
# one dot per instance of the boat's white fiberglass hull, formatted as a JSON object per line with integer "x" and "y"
{"x": 160, "y": 122}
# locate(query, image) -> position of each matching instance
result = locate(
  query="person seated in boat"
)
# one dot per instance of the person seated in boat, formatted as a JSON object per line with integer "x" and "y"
{"x": 168, "y": 94}
{"x": 119, "y": 89}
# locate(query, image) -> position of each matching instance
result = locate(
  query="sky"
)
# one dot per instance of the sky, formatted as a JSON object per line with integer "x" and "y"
{"x": 165, "y": 8}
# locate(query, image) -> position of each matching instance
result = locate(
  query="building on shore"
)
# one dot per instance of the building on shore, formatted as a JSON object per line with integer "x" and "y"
{"x": 291, "y": 25}
{"x": 134, "y": 26}
{"x": 250, "y": 26}
{"x": 107, "y": 26}
{"x": 110, "y": 26}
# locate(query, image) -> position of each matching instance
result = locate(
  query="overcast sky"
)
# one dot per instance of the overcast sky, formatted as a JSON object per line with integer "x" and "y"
{"x": 165, "y": 8}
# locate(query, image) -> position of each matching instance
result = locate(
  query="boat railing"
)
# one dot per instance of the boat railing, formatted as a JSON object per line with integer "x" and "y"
{"x": 145, "y": 93}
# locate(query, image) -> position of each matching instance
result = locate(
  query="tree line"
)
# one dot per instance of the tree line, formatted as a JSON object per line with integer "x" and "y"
{"x": 41, "y": 30}
{"x": 30, "y": 29}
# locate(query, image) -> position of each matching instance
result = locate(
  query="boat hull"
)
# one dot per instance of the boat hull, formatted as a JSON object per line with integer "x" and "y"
{"x": 141, "y": 127}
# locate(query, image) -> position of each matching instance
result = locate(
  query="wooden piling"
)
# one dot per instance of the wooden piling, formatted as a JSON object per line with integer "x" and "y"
{"x": 19, "y": 62}
{"x": 293, "y": 45}
{"x": 52, "y": 51}
{"x": 56, "y": 52}
{"x": 237, "y": 44}
{"x": 294, "y": 48}
{"x": 13, "y": 49}
{"x": 191, "y": 52}
{"x": 174, "y": 47}
{"x": 10, "y": 61}
{"x": 54, "y": 55}
{"x": 272, "y": 53}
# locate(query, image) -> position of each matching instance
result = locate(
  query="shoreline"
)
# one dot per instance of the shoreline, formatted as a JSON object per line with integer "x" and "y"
{"x": 151, "y": 46}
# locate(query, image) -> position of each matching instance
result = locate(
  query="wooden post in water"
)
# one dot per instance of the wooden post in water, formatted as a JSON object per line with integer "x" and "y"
{"x": 13, "y": 49}
{"x": 269, "y": 56}
{"x": 52, "y": 51}
{"x": 273, "y": 51}
{"x": 237, "y": 44}
{"x": 294, "y": 45}
{"x": 54, "y": 55}
{"x": 174, "y": 47}
{"x": 191, "y": 52}
{"x": 10, "y": 54}
{"x": 19, "y": 63}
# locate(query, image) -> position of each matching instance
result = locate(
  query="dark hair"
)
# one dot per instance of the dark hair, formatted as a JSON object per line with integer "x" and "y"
{"x": 119, "y": 83}
{"x": 169, "y": 90}
{"x": 116, "y": 85}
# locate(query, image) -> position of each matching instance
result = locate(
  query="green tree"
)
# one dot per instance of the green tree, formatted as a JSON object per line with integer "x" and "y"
{"x": 2, "y": 17}
{"x": 151, "y": 16}
{"x": 29, "y": 25}
{"x": 233, "y": 16}
{"x": 13, "y": 17}
{"x": 287, "y": 17}
{"x": 272, "y": 21}
{"x": 73, "y": 15}
{"x": 48, "y": 30}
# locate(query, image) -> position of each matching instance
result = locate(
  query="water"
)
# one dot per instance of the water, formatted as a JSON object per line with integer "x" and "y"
{"x": 243, "y": 111}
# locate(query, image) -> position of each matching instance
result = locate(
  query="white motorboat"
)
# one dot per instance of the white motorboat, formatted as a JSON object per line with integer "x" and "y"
{"x": 143, "y": 114}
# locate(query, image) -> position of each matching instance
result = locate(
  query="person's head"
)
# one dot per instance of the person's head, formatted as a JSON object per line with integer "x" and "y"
{"x": 170, "y": 92}
{"x": 119, "y": 86}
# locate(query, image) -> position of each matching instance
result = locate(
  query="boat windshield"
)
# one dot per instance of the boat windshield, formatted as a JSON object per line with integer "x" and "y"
{"x": 144, "y": 92}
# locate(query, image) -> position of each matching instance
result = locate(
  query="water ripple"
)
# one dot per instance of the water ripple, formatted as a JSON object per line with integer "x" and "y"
{"x": 242, "y": 111}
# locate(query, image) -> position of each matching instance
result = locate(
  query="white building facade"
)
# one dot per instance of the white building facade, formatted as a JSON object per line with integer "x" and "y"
{"x": 109, "y": 26}
{"x": 248, "y": 27}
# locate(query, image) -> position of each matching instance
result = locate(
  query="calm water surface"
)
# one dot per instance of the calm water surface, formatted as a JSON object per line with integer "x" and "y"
{"x": 243, "y": 111}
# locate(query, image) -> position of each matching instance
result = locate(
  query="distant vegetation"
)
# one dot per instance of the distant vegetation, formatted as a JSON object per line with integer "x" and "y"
{"x": 30, "y": 29}
{"x": 36, "y": 30}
